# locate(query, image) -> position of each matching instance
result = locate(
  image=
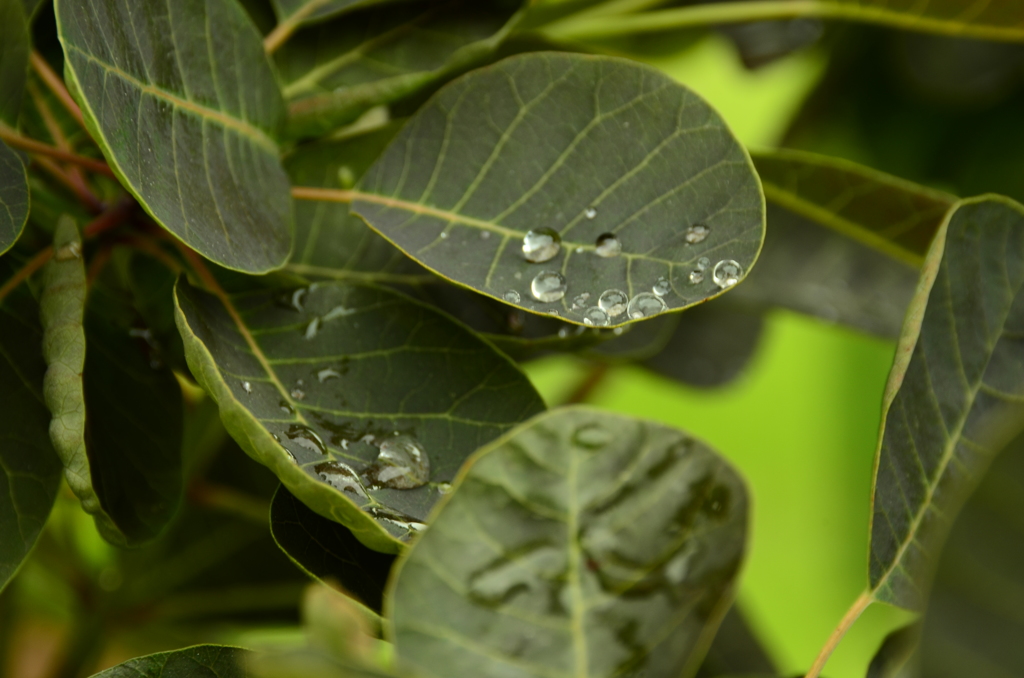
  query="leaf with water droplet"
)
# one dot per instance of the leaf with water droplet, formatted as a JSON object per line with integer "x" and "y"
{"x": 572, "y": 539}
{"x": 396, "y": 359}
{"x": 14, "y": 197}
{"x": 678, "y": 165}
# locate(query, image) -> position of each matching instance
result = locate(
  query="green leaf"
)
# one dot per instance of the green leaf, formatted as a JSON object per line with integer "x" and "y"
{"x": 954, "y": 395}
{"x": 314, "y": 382}
{"x": 297, "y": 11}
{"x": 329, "y": 551}
{"x": 504, "y": 150}
{"x": 184, "y": 105}
{"x": 735, "y": 650}
{"x": 116, "y": 416}
{"x": 30, "y": 471}
{"x": 14, "y": 197}
{"x": 15, "y": 44}
{"x": 335, "y": 71}
{"x": 895, "y": 652}
{"x": 200, "y": 661}
{"x": 582, "y": 543}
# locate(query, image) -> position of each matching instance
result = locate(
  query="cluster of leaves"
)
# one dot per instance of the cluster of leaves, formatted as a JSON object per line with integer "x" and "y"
{"x": 325, "y": 231}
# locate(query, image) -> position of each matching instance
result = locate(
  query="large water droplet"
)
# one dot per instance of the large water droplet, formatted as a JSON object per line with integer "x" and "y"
{"x": 341, "y": 477}
{"x": 512, "y": 297}
{"x": 312, "y": 328}
{"x": 541, "y": 245}
{"x": 548, "y": 286}
{"x": 306, "y": 438}
{"x": 644, "y": 305}
{"x": 608, "y": 246}
{"x": 696, "y": 234}
{"x": 401, "y": 465}
{"x": 595, "y": 317}
{"x": 580, "y": 301}
{"x": 247, "y": 387}
{"x": 662, "y": 286}
{"x": 613, "y": 302}
{"x": 324, "y": 375}
{"x": 727, "y": 273}
{"x": 590, "y": 213}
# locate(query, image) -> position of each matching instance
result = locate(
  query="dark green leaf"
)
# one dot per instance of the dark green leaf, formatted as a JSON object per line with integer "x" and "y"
{"x": 328, "y": 550}
{"x": 894, "y": 654}
{"x": 638, "y": 341}
{"x": 505, "y": 149}
{"x": 312, "y": 663}
{"x": 201, "y": 661}
{"x": 14, "y": 197}
{"x": 314, "y": 10}
{"x": 335, "y": 71}
{"x": 955, "y": 392}
{"x": 29, "y": 469}
{"x": 582, "y": 543}
{"x": 183, "y": 103}
{"x": 735, "y": 650}
{"x": 314, "y": 382}
{"x": 14, "y": 48}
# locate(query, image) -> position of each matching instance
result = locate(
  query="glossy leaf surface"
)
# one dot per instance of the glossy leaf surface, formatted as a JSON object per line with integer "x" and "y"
{"x": 954, "y": 395}
{"x": 317, "y": 383}
{"x": 501, "y": 151}
{"x": 184, "y": 105}
{"x": 335, "y": 71}
{"x": 583, "y": 543}
{"x": 201, "y": 661}
{"x": 14, "y": 197}
{"x": 15, "y": 44}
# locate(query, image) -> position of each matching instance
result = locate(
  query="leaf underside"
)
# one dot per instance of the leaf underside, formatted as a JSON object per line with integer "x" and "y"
{"x": 14, "y": 197}
{"x": 583, "y": 543}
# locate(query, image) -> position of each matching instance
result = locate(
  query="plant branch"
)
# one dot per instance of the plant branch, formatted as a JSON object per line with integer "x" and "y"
{"x": 284, "y": 30}
{"x": 26, "y": 271}
{"x": 325, "y": 194}
{"x": 56, "y": 86}
{"x": 15, "y": 140}
{"x": 845, "y": 623}
{"x": 588, "y": 384}
{"x": 56, "y": 133}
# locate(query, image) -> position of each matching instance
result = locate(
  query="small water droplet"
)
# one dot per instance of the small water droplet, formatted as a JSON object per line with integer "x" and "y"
{"x": 444, "y": 488}
{"x": 644, "y": 305}
{"x": 613, "y": 302}
{"x": 367, "y": 439}
{"x": 703, "y": 263}
{"x": 401, "y": 465}
{"x": 696, "y": 277}
{"x": 297, "y": 298}
{"x": 324, "y": 375}
{"x": 696, "y": 233}
{"x": 485, "y": 235}
{"x": 341, "y": 477}
{"x": 662, "y": 286}
{"x": 590, "y": 213}
{"x": 727, "y": 273}
{"x": 595, "y": 317}
{"x": 580, "y": 301}
{"x": 512, "y": 297}
{"x": 548, "y": 286}
{"x": 563, "y": 332}
{"x": 300, "y": 382}
{"x": 286, "y": 408}
{"x": 591, "y": 436}
{"x": 338, "y": 312}
{"x": 312, "y": 328}
{"x": 518, "y": 275}
{"x": 444, "y": 235}
{"x": 346, "y": 177}
{"x": 541, "y": 245}
{"x": 618, "y": 331}
{"x": 291, "y": 457}
{"x": 306, "y": 438}
{"x": 298, "y": 394}
{"x": 73, "y": 250}
{"x": 247, "y": 387}
{"x": 608, "y": 246}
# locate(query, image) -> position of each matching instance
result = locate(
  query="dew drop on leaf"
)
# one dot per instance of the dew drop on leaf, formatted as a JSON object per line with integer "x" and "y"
{"x": 485, "y": 235}
{"x": 297, "y": 298}
{"x": 341, "y": 477}
{"x": 727, "y": 273}
{"x": 590, "y": 213}
{"x": 595, "y": 317}
{"x": 298, "y": 394}
{"x": 548, "y": 286}
{"x": 580, "y": 301}
{"x": 312, "y": 328}
{"x": 703, "y": 263}
{"x": 541, "y": 245}
{"x": 696, "y": 234}
{"x": 338, "y": 312}
{"x": 325, "y": 374}
{"x": 696, "y": 277}
{"x": 613, "y": 302}
{"x": 608, "y": 246}
{"x": 247, "y": 387}
{"x": 285, "y": 407}
{"x": 512, "y": 297}
{"x": 591, "y": 436}
{"x": 402, "y": 464}
{"x": 306, "y": 438}
{"x": 644, "y": 305}
{"x": 662, "y": 286}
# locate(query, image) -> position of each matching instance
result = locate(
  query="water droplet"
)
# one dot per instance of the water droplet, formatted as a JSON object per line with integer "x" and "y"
{"x": 644, "y": 305}
{"x": 618, "y": 331}
{"x": 518, "y": 275}
{"x": 324, "y": 375}
{"x": 595, "y": 317}
{"x": 580, "y": 301}
{"x": 291, "y": 457}
{"x": 297, "y": 298}
{"x": 590, "y": 213}
{"x": 444, "y": 235}
{"x": 485, "y": 235}
{"x": 340, "y": 477}
{"x": 367, "y": 439}
{"x": 696, "y": 277}
{"x": 548, "y": 286}
{"x": 696, "y": 233}
{"x": 662, "y": 287}
{"x": 247, "y": 387}
{"x": 563, "y": 332}
{"x": 338, "y": 312}
{"x": 73, "y": 250}
{"x": 613, "y": 302}
{"x": 312, "y": 328}
{"x": 286, "y": 408}
{"x": 592, "y": 436}
{"x": 346, "y": 177}
{"x": 541, "y": 245}
{"x": 444, "y": 488}
{"x": 298, "y": 394}
{"x": 300, "y": 382}
{"x": 401, "y": 465}
{"x": 306, "y": 438}
{"x": 276, "y": 437}
{"x": 703, "y": 263}
{"x": 608, "y": 246}
{"x": 512, "y": 297}
{"x": 727, "y": 273}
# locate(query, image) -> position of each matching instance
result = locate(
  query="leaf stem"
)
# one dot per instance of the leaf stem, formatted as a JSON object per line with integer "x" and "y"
{"x": 56, "y": 86}
{"x": 325, "y": 194}
{"x": 15, "y": 140}
{"x": 284, "y": 30}
{"x": 56, "y": 133}
{"x": 845, "y": 623}
{"x": 586, "y": 386}
{"x": 33, "y": 265}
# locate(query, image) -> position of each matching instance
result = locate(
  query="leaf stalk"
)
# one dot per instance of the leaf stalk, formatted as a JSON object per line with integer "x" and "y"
{"x": 863, "y": 601}
{"x": 56, "y": 86}
{"x": 15, "y": 140}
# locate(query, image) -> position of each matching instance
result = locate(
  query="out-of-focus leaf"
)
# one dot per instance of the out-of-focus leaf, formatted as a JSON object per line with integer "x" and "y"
{"x": 582, "y": 543}
{"x": 501, "y": 150}
{"x": 955, "y": 394}
{"x": 974, "y": 625}
{"x": 14, "y": 197}
{"x": 29, "y": 468}
{"x": 335, "y": 71}
{"x": 335, "y": 624}
{"x": 638, "y": 341}
{"x": 298, "y": 11}
{"x": 15, "y": 44}
{"x": 152, "y": 287}
{"x": 313, "y": 663}
{"x": 893, "y": 656}
{"x": 334, "y": 385}
{"x": 328, "y": 550}
{"x": 201, "y": 661}
{"x": 184, "y": 105}
{"x": 762, "y": 42}
{"x": 735, "y": 650}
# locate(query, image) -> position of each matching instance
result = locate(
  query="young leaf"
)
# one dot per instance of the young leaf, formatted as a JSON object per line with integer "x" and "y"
{"x": 207, "y": 661}
{"x": 955, "y": 392}
{"x": 15, "y": 44}
{"x": 636, "y": 176}
{"x": 29, "y": 468}
{"x": 363, "y": 402}
{"x": 335, "y": 71}
{"x": 182, "y": 101}
{"x": 582, "y": 543}
{"x": 14, "y": 197}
